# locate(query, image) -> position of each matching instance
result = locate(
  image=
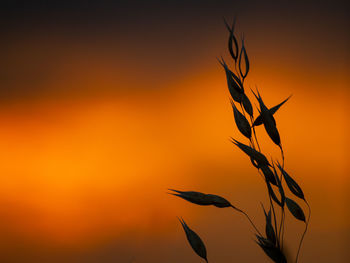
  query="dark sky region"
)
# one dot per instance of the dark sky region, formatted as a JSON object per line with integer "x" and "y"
{"x": 164, "y": 37}
{"x": 106, "y": 104}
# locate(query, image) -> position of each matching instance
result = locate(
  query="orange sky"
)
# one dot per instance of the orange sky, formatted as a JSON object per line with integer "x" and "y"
{"x": 91, "y": 140}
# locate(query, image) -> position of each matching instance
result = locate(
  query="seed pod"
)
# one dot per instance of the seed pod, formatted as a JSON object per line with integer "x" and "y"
{"x": 268, "y": 174}
{"x": 253, "y": 154}
{"x": 193, "y": 197}
{"x": 271, "y": 250}
{"x": 258, "y": 121}
{"x": 202, "y": 199}
{"x": 233, "y": 86}
{"x": 247, "y": 104}
{"x": 280, "y": 187}
{"x": 241, "y": 122}
{"x": 292, "y": 185}
{"x": 272, "y": 194}
{"x": 195, "y": 241}
{"x": 295, "y": 209}
{"x": 254, "y": 163}
{"x": 243, "y": 53}
{"x": 270, "y": 233}
{"x": 232, "y": 41}
{"x": 269, "y": 121}
{"x": 219, "y": 201}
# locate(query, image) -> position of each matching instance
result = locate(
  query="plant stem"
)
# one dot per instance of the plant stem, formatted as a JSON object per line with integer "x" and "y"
{"x": 281, "y": 179}
{"x": 281, "y": 231}
{"x": 306, "y": 227}
{"x": 256, "y": 139}
{"x": 274, "y": 217}
{"x": 273, "y": 209}
{"x": 251, "y": 222}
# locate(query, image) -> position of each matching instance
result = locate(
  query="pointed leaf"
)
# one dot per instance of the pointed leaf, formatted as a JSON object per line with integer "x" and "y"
{"x": 270, "y": 233}
{"x": 271, "y": 250}
{"x": 272, "y": 194}
{"x": 275, "y": 108}
{"x": 253, "y": 154}
{"x": 258, "y": 121}
{"x": 295, "y": 209}
{"x": 243, "y": 53}
{"x": 269, "y": 121}
{"x": 241, "y": 122}
{"x": 233, "y": 86}
{"x": 232, "y": 41}
{"x": 193, "y": 197}
{"x": 291, "y": 183}
{"x": 219, "y": 201}
{"x": 247, "y": 104}
{"x": 202, "y": 199}
{"x": 280, "y": 187}
{"x": 195, "y": 241}
{"x": 269, "y": 175}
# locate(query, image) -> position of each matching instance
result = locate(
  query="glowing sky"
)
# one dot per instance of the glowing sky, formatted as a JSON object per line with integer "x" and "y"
{"x": 106, "y": 105}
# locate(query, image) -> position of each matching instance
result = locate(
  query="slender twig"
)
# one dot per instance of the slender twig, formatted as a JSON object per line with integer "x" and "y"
{"x": 306, "y": 227}
{"x": 256, "y": 139}
{"x": 274, "y": 217}
{"x": 281, "y": 179}
{"x": 251, "y": 222}
{"x": 273, "y": 209}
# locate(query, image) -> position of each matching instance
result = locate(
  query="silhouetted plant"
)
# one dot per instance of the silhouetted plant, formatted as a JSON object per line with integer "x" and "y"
{"x": 272, "y": 241}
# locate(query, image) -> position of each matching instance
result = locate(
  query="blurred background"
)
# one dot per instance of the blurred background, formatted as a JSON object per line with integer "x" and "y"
{"x": 104, "y": 105}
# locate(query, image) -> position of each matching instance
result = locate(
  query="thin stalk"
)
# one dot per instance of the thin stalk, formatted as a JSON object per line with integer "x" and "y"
{"x": 273, "y": 211}
{"x": 306, "y": 227}
{"x": 282, "y": 154}
{"x": 251, "y": 222}
{"x": 274, "y": 217}
{"x": 281, "y": 231}
{"x": 281, "y": 179}
{"x": 256, "y": 139}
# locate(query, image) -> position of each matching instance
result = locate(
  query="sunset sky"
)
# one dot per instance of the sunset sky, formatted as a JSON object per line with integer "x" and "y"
{"x": 104, "y": 105}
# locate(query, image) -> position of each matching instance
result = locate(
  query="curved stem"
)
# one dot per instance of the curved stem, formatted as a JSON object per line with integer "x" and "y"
{"x": 282, "y": 153}
{"x": 274, "y": 217}
{"x": 281, "y": 231}
{"x": 306, "y": 227}
{"x": 273, "y": 209}
{"x": 251, "y": 222}
{"x": 256, "y": 138}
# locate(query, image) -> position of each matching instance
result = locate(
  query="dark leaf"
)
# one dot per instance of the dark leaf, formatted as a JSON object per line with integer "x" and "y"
{"x": 233, "y": 86}
{"x": 232, "y": 41}
{"x": 254, "y": 163}
{"x": 238, "y": 81}
{"x": 195, "y": 241}
{"x": 275, "y": 108}
{"x": 292, "y": 185}
{"x": 253, "y": 154}
{"x": 241, "y": 122}
{"x": 219, "y": 201}
{"x": 269, "y": 121}
{"x": 258, "y": 121}
{"x": 272, "y": 194}
{"x": 270, "y": 233}
{"x": 295, "y": 209}
{"x": 202, "y": 199}
{"x": 280, "y": 187}
{"x": 269, "y": 175}
{"x": 271, "y": 250}
{"x": 247, "y": 105}
{"x": 193, "y": 197}
{"x": 243, "y": 53}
